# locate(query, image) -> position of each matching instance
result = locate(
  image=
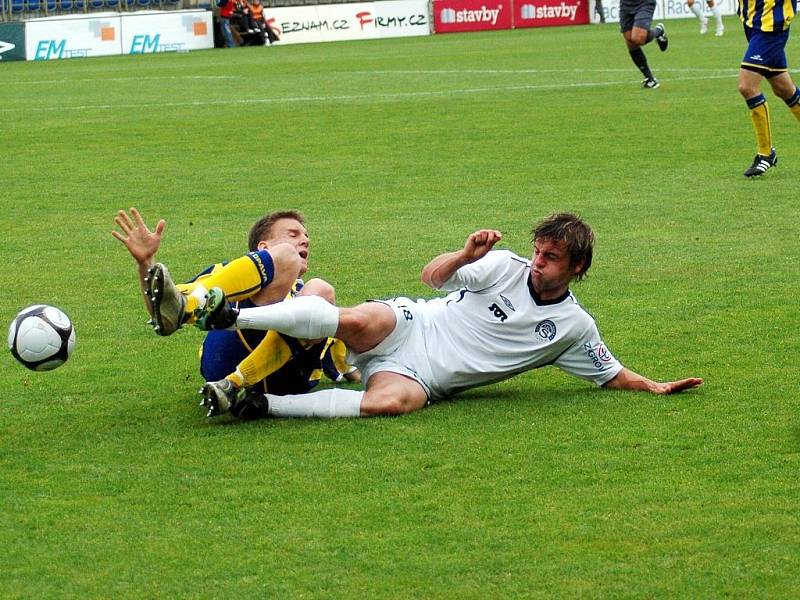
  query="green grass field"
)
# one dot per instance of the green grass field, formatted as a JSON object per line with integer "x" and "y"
{"x": 114, "y": 484}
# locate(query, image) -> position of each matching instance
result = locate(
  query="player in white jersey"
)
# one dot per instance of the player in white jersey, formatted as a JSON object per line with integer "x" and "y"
{"x": 504, "y": 315}
{"x": 696, "y": 6}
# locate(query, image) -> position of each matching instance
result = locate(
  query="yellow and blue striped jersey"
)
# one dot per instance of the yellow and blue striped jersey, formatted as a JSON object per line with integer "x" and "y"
{"x": 767, "y": 15}
{"x": 282, "y": 364}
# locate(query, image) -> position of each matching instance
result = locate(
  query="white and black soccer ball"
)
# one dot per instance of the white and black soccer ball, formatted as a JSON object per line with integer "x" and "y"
{"x": 41, "y": 337}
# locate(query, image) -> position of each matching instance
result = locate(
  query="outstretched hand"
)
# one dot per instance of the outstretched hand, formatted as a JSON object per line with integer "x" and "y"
{"x": 629, "y": 380}
{"x": 480, "y": 242}
{"x": 675, "y": 387}
{"x": 137, "y": 237}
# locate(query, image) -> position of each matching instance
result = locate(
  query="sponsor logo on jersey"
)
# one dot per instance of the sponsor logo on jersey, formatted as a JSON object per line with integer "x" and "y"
{"x": 498, "y": 312}
{"x": 599, "y": 355}
{"x": 756, "y": 57}
{"x": 546, "y": 330}
{"x": 507, "y": 302}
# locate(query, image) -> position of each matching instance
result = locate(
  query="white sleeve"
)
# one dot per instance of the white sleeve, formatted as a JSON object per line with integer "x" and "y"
{"x": 482, "y": 273}
{"x": 590, "y": 359}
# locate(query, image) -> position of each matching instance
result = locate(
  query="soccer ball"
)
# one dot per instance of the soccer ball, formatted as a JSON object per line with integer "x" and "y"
{"x": 41, "y": 337}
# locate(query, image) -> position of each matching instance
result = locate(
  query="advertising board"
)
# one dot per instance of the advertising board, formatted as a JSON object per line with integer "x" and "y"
{"x": 72, "y": 36}
{"x": 12, "y": 41}
{"x": 471, "y": 15}
{"x": 550, "y": 13}
{"x": 357, "y": 21}
{"x": 147, "y": 33}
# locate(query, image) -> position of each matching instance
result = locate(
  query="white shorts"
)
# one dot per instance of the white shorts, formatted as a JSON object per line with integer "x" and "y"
{"x": 403, "y": 350}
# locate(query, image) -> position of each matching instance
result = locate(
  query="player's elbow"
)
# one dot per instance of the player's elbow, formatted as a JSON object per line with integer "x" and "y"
{"x": 428, "y": 279}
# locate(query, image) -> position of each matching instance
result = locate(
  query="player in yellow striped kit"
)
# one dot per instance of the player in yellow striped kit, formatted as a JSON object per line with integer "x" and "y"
{"x": 269, "y": 273}
{"x": 766, "y": 27}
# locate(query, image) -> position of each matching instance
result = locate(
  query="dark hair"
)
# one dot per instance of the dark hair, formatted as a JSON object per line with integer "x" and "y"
{"x": 576, "y": 235}
{"x": 262, "y": 228}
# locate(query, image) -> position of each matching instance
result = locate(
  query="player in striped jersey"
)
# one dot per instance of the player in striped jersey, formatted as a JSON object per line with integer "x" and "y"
{"x": 504, "y": 315}
{"x": 247, "y": 359}
{"x": 766, "y": 27}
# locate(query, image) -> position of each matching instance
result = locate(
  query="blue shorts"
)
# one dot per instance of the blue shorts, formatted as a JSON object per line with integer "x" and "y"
{"x": 766, "y": 52}
{"x": 223, "y": 350}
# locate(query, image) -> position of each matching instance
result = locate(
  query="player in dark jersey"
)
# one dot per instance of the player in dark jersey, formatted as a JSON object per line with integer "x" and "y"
{"x": 635, "y": 18}
{"x": 766, "y": 27}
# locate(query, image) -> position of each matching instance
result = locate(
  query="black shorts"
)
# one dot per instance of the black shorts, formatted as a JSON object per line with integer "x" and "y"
{"x": 636, "y": 14}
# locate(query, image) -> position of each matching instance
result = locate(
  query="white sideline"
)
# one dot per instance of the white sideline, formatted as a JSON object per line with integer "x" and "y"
{"x": 342, "y": 98}
{"x": 380, "y": 72}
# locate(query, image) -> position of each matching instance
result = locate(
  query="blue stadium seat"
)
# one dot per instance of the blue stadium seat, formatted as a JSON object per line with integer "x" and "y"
{"x": 79, "y": 5}
{"x": 96, "y": 4}
{"x": 112, "y": 4}
{"x": 34, "y": 5}
{"x": 51, "y": 5}
{"x": 143, "y": 3}
{"x": 65, "y": 5}
{"x": 17, "y": 6}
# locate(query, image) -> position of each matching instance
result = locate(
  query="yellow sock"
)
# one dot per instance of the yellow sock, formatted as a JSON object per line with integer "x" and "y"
{"x": 339, "y": 355}
{"x": 236, "y": 378}
{"x": 795, "y": 111}
{"x": 760, "y": 117}
{"x": 193, "y": 292}
{"x": 266, "y": 358}
{"x": 243, "y": 277}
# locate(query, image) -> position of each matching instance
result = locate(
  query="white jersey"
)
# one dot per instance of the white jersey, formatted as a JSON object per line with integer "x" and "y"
{"x": 491, "y": 327}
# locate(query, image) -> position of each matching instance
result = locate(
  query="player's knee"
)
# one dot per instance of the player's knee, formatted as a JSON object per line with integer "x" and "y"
{"x": 781, "y": 88}
{"x": 321, "y": 288}
{"x": 354, "y": 322}
{"x": 747, "y": 90}
{"x": 387, "y": 404}
{"x": 640, "y": 39}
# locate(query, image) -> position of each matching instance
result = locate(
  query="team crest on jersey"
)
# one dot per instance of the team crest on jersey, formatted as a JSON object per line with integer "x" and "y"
{"x": 507, "y": 302}
{"x": 546, "y": 330}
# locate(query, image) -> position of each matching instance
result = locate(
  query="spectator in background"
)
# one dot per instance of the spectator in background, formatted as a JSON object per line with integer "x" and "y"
{"x": 226, "y": 8}
{"x": 244, "y": 18}
{"x": 257, "y": 16}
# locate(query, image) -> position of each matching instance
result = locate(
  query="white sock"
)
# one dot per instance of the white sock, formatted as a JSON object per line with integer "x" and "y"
{"x": 717, "y": 14}
{"x": 327, "y": 404}
{"x": 697, "y": 9}
{"x": 304, "y": 317}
